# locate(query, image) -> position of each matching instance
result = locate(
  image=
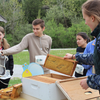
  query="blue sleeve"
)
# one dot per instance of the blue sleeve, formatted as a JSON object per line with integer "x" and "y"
{"x": 85, "y": 52}
{"x": 93, "y": 81}
{"x": 86, "y": 59}
{"x": 86, "y": 66}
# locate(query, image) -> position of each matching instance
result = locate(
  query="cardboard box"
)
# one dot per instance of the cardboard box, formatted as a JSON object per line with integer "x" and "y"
{"x": 44, "y": 87}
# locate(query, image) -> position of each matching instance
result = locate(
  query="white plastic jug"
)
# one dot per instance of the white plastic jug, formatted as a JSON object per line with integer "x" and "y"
{"x": 40, "y": 59}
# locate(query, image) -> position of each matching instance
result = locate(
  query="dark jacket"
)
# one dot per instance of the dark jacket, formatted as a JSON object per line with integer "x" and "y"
{"x": 96, "y": 55}
{"x": 10, "y": 64}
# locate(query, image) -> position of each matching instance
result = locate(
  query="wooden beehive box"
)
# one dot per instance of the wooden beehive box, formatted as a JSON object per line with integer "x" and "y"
{"x": 11, "y": 92}
{"x": 73, "y": 91}
{"x": 65, "y": 66}
{"x": 43, "y": 87}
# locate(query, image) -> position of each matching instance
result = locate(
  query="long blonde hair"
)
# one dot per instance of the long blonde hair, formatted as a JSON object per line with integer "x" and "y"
{"x": 5, "y": 44}
{"x": 92, "y": 7}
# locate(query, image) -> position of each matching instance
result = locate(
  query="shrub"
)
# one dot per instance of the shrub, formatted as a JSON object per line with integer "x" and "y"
{"x": 62, "y": 37}
{"x": 19, "y": 32}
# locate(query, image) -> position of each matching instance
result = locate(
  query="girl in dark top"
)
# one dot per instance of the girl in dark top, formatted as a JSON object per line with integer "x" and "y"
{"x": 82, "y": 40}
{"x": 4, "y": 80}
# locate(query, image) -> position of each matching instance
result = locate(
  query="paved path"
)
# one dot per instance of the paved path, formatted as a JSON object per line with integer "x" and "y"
{"x": 17, "y": 71}
{"x": 60, "y": 49}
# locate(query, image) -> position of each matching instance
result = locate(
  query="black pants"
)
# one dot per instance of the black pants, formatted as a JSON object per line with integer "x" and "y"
{"x": 79, "y": 75}
{"x": 4, "y": 83}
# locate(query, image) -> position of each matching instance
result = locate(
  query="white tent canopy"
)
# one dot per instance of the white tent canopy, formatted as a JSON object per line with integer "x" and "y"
{"x": 3, "y": 19}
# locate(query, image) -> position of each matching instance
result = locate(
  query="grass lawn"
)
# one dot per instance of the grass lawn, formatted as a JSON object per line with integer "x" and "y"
{"x": 23, "y": 57}
{"x": 62, "y": 53}
{"x": 14, "y": 81}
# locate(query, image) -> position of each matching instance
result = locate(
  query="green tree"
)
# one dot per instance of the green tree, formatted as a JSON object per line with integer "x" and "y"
{"x": 19, "y": 32}
{"x": 62, "y": 37}
{"x": 49, "y": 3}
{"x": 73, "y": 30}
{"x": 31, "y": 8}
{"x": 56, "y": 13}
{"x": 13, "y": 13}
{"x": 73, "y": 9}
{"x": 70, "y": 10}
{"x": 56, "y": 32}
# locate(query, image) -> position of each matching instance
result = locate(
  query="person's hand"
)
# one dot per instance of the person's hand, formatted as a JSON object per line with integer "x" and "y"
{"x": 68, "y": 56}
{"x": 2, "y": 53}
{"x": 83, "y": 84}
